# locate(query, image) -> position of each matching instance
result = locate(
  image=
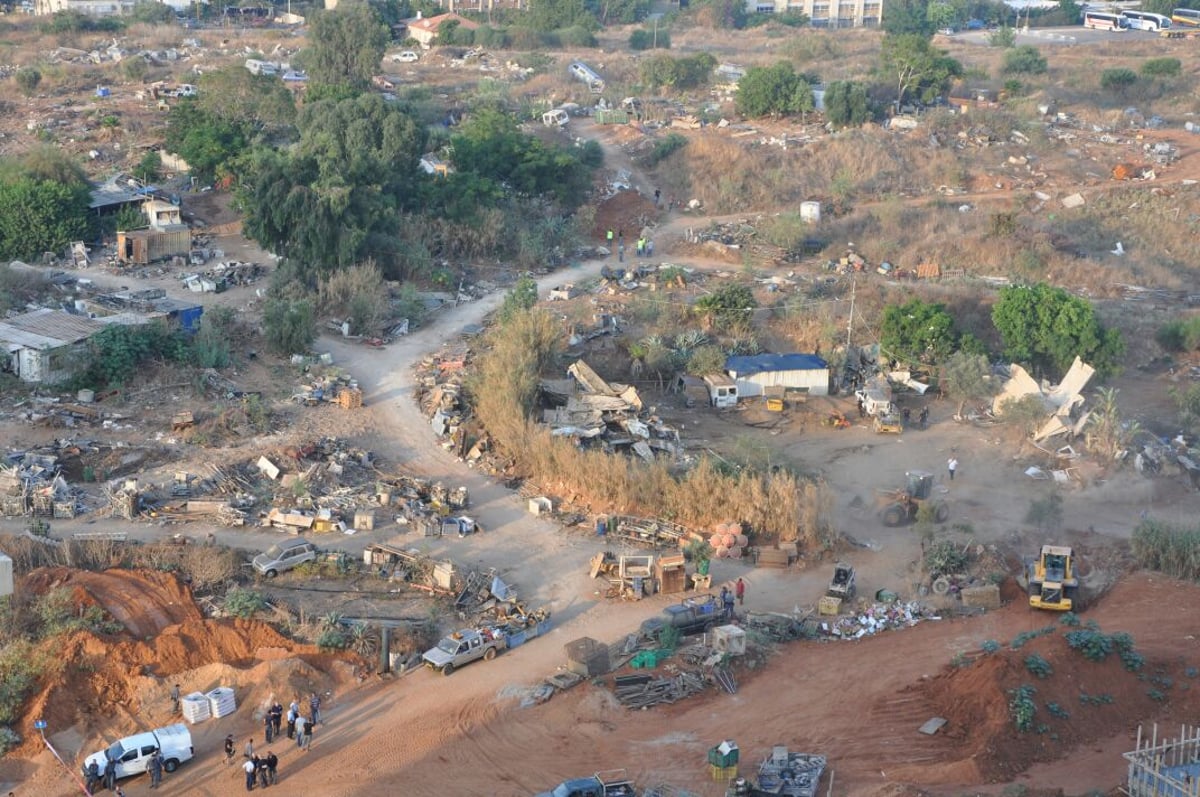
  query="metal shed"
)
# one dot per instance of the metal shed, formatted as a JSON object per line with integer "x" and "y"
{"x": 753, "y": 373}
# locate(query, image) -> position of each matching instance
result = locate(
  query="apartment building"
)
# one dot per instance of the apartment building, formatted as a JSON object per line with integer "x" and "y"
{"x": 825, "y": 13}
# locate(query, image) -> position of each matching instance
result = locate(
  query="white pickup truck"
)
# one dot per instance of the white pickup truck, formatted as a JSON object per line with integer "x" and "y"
{"x": 132, "y": 754}
{"x": 463, "y": 647}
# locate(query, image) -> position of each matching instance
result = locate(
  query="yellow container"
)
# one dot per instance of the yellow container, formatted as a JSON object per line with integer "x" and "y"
{"x": 722, "y": 774}
{"x": 830, "y": 606}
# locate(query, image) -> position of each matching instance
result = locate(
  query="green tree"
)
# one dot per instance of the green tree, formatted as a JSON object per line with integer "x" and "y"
{"x": 290, "y": 325}
{"x": 619, "y": 12}
{"x": 149, "y": 167}
{"x": 728, "y": 306}
{"x": 345, "y": 47}
{"x": 1071, "y": 12}
{"x": 1047, "y": 327}
{"x": 152, "y": 12}
{"x": 205, "y": 141}
{"x": 774, "y": 90}
{"x": 548, "y": 15}
{"x": 917, "y": 331}
{"x": 642, "y": 39}
{"x": 846, "y": 104}
{"x": 1161, "y": 67}
{"x": 905, "y": 17}
{"x": 255, "y": 103}
{"x": 726, "y": 14}
{"x": 917, "y": 67}
{"x": 523, "y": 296}
{"x": 1024, "y": 60}
{"x": 663, "y": 71}
{"x": 941, "y": 15}
{"x": 967, "y": 377}
{"x": 1004, "y": 37}
{"x": 28, "y": 79}
{"x": 43, "y": 204}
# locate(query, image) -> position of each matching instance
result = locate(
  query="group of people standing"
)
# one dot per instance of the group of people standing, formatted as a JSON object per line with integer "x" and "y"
{"x": 263, "y": 770}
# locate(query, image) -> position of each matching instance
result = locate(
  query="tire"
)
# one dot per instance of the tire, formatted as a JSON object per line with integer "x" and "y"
{"x": 893, "y": 515}
{"x": 271, "y": 573}
{"x": 489, "y": 654}
{"x": 170, "y": 765}
{"x": 448, "y": 669}
{"x": 941, "y": 512}
{"x": 941, "y": 586}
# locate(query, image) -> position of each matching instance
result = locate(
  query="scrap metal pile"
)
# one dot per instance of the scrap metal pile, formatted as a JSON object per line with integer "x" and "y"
{"x": 792, "y": 774}
{"x": 587, "y": 408}
{"x": 876, "y": 618}
{"x": 643, "y": 691}
{"x": 32, "y": 485}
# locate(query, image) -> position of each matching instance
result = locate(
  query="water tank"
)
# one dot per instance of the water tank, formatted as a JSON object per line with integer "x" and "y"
{"x": 6, "y": 576}
{"x": 810, "y": 212}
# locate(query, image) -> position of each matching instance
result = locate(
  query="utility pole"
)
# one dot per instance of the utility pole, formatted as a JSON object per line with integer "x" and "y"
{"x": 850, "y": 321}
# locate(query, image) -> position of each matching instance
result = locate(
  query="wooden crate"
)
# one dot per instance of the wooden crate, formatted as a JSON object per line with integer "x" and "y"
{"x": 829, "y": 606}
{"x": 722, "y": 774}
{"x": 350, "y": 398}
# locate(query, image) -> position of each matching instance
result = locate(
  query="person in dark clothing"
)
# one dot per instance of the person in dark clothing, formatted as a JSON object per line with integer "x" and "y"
{"x": 93, "y": 778}
{"x": 110, "y": 775}
{"x": 229, "y": 747}
{"x": 277, "y": 717}
{"x": 924, "y": 417}
{"x": 272, "y": 767}
{"x": 269, "y": 728}
{"x": 308, "y": 733}
{"x": 291, "y": 724}
{"x": 314, "y": 703}
{"x": 155, "y": 768}
{"x": 263, "y": 774}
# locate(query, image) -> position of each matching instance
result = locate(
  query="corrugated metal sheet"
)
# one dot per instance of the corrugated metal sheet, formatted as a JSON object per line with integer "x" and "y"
{"x": 748, "y": 365}
{"x": 47, "y": 329}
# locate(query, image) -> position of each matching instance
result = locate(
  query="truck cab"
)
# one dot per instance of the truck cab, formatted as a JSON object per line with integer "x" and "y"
{"x": 612, "y": 783}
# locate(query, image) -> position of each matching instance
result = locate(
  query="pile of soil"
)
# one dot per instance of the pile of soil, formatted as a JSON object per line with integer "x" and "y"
{"x": 625, "y": 211}
{"x": 167, "y": 641}
{"x": 1100, "y": 700}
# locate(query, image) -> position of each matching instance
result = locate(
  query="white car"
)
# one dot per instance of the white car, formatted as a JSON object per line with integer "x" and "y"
{"x": 284, "y": 556}
{"x": 132, "y": 754}
{"x": 185, "y": 90}
{"x": 406, "y": 57}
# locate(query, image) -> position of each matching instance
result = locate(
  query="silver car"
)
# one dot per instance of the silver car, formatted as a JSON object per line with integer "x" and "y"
{"x": 284, "y": 556}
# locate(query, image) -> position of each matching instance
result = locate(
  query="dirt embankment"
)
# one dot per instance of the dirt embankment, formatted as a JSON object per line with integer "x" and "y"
{"x": 128, "y": 675}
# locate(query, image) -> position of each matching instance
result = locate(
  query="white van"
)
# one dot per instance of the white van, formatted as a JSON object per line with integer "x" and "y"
{"x": 133, "y": 753}
{"x": 556, "y": 118}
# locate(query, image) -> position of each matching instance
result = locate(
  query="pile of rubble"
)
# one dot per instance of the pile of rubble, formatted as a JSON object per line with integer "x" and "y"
{"x": 876, "y": 618}
{"x": 222, "y": 276}
{"x": 334, "y": 388}
{"x": 31, "y": 485}
{"x": 440, "y": 387}
{"x": 792, "y": 774}
{"x": 587, "y": 408}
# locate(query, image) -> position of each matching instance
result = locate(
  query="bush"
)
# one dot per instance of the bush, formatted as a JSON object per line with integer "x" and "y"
{"x": 1038, "y": 666}
{"x": 357, "y": 294}
{"x": 1167, "y": 549}
{"x": 1161, "y": 67}
{"x": 28, "y": 79}
{"x": 665, "y": 147}
{"x": 1002, "y": 37}
{"x": 332, "y": 639}
{"x": 244, "y": 603}
{"x": 1021, "y": 707}
{"x": 290, "y": 325}
{"x": 1024, "y": 60}
{"x": 649, "y": 40}
{"x": 945, "y": 557}
{"x": 1117, "y": 80}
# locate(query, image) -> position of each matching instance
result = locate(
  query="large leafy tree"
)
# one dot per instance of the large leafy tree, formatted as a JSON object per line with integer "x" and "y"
{"x": 548, "y": 15}
{"x": 1047, "y": 328}
{"x": 918, "y": 331}
{"x": 967, "y": 377}
{"x": 345, "y": 48}
{"x": 255, "y": 102}
{"x": 491, "y": 146}
{"x": 846, "y": 104}
{"x": 774, "y": 90}
{"x": 338, "y": 198}
{"x": 43, "y": 204}
{"x": 917, "y": 66}
{"x": 206, "y": 141}
{"x": 902, "y": 17}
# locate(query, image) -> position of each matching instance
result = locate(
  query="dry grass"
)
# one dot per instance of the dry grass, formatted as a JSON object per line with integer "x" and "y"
{"x": 776, "y": 504}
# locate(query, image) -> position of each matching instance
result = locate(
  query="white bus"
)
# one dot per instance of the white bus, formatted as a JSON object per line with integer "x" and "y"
{"x": 1187, "y": 17}
{"x": 1144, "y": 20}
{"x": 1103, "y": 20}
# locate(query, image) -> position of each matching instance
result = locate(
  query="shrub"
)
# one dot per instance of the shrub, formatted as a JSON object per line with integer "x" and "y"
{"x": 1117, "y": 80}
{"x": 990, "y": 646}
{"x": 649, "y": 40}
{"x": 357, "y": 294}
{"x": 244, "y": 603}
{"x": 1055, "y": 710}
{"x": 332, "y": 639}
{"x": 1038, "y": 666}
{"x": 945, "y": 557}
{"x": 1167, "y": 549}
{"x": 1161, "y": 67}
{"x": 664, "y": 147}
{"x": 1024, "y": 60}
{"x": 1021, "y": 707}
{"x": 8, "y": 740}
{"x": 1002, "y": 37}
{"x": 290, "y": 325}
{"x": 28, "y": 79}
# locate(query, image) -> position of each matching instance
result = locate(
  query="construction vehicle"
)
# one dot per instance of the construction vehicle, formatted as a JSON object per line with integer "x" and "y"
{"x": 887, "y": 424}
{"x": 842, "y": 584}
{"x": 1051, "y": 579}
{"x": 898, "y": 507}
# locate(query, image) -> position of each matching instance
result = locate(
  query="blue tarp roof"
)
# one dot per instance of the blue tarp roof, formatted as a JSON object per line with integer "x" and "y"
{"x": 748, "y": 365}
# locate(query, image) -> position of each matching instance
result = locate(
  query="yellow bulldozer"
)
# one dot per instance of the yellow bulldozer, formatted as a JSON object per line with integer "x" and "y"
{"x": 1051, "y": 580}
{"x": 898, "y": 507}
